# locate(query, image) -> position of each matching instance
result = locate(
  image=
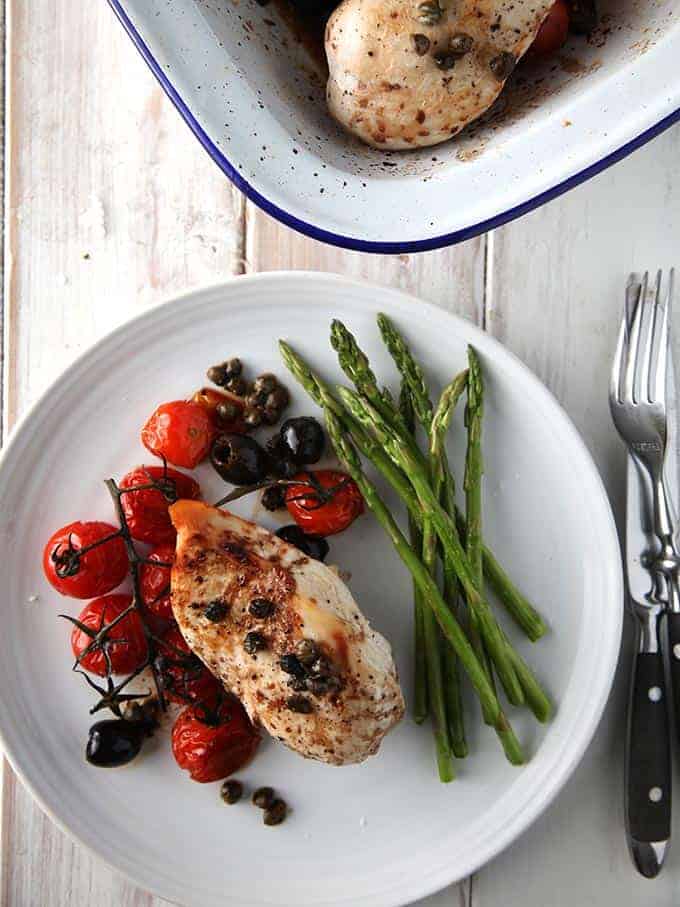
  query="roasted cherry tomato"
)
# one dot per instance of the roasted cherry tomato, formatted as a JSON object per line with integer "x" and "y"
{"x": 325, "y": 502}
{"x": 87, "y": 575}
{"x": 127, "y": 654}
{"x": 212, "y": 742}
{"x": 146, "y": 511}
{"x": 154, "y": 581}
{"x": 180, "y": 432}
{"x": 183, "y": 675}
{"x": 225, "y": 409}
{"x": 553, "y": 32}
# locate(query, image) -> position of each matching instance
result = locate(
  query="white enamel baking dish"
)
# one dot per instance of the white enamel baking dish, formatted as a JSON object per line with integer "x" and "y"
{"x": 254, "y": 98}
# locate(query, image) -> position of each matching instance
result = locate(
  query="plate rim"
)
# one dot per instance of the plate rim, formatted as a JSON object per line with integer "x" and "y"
{"x": 533, "y": 808}
{"x": 365, "y": 245}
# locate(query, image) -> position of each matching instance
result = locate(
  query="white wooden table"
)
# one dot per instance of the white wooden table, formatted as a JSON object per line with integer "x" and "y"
{"x": 112, "y": 206}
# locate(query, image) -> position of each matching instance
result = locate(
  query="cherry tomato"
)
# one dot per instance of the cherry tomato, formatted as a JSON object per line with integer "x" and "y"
{"x": 213, "y": 742}
{"x": 330, "y": 509}
{"x": 184, "y": 676}
{"x": 553, "y": 32}
{"x": 85, "y": 575}
{"x": 154, "y": 581}
{"x": 126, "y": 655}
{"x": 181, "y": 432}
{"x": 147, "y": 511}
{"x": 210, "y": 400}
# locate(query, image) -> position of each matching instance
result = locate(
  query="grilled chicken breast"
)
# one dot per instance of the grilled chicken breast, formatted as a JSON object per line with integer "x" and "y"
{"x": 284, "y": 634}
{"x": 406, "y": 73}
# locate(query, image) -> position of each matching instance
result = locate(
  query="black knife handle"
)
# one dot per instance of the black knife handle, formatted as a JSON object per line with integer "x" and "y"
{"x": 648, "y": 783}
{"x": 673, "y": 628}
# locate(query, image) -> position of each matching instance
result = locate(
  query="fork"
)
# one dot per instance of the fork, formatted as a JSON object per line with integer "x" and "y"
{"x": 637, "y": 398}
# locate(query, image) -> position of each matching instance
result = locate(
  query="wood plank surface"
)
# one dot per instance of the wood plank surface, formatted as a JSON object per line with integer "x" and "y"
{"x": 112, "y": 206}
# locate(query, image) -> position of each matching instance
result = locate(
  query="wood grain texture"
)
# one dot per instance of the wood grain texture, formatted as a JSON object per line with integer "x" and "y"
{"x": 556, "y": 301}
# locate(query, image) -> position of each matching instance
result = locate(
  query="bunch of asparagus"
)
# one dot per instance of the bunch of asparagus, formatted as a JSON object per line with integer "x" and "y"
{"x": 454, "y": 625}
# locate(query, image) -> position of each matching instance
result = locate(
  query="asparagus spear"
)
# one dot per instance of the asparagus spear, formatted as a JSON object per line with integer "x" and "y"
{"x": 431, "y": 595}
{"x": 446, "y": 530}
{"x": 517, "y": 605}
{"x": 420, "y": 704}
{"x": 472, "y": 483}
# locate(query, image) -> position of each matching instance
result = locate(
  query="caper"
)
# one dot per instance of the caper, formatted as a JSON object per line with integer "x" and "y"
{"x": 421, "y": 44}
{"x": 233, "y": 367}
{"x": 502, "y": 65}
{"x": 253, "y": 416}
{"x": 226, "y": 412}
{"x": 256, "y": 398}
{"x": 231, "y": 791}
{"x": 299, "y": 684}
{"x": 254, "y": 642}
{"x": 237, "y": 386}
{"x": 216, "y": 611}
{"x": 429, "y": 12}
{"x": 263, "y": 797}
{"x": 276, "y": 813}
{"x": 217, "y": 374}
{"x": 265, "y": 383}
{"x": 279, "y": 398}
{"x": 319, "y": 686}
{"x": 461, "y": 44}
{"x": 261, "y": 608}
{"x": 291, "y": 664}
{"x": 274, "y": 497}
{"x": 270, "y": 415}
{"x": 320, "y": 667}
{"x": 307, "y": 651}
{"x": 299, "y": 704}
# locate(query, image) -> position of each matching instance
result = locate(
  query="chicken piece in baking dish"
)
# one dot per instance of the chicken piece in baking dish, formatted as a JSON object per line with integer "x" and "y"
{"x": 410, "y": 73}
{"x": 284, "y": 634}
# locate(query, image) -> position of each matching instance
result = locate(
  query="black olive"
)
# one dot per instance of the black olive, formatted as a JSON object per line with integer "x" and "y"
{"x": 254, "y": 642}
{"x": 281, "y": 463}
{"x": 238, "y": 459}
{"x": 274, "y": 497}
{"x": 263, "y": 797}
{"x": 307, "y": 651}
{"x": 299, "y": 704}
{"x": 314, "y": 546}
{"x": 216, "y": 611}
{"x": 114, "y": 742}
{"x": 291, "y": 664}
{"x": 304, "y": 439}
{"x": 231, "y": 791}
{"x": 261, "y": 608}
{"x": 582, "y": 16}
{"x": 276, "y": 813}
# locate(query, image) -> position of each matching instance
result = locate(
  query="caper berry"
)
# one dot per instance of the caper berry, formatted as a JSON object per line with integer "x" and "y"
{"x": 306, "y": 651}
{"x": 231, "y": 791}
{"x": 217, "y": 375}
{"x": 291, "y": 664}
{"x": 261, "y": 608}
{"x": 299, "y": 704}
{"x": 461, "y": 44}
{"x": 421, "y": 44}
{"x": 263, "y": 797}
{"x": 237, "y": 386}
{"x": 276, "y": 813}
{"x": 265, "y": 383}
{"x": 502, "y": 65}
{"x": 254, "y": 642}
{"x": 226, "y": 412}
{"x": 274, "y": 497}
{"x": 216, "y": 611}
{"x": 253, "y": 416}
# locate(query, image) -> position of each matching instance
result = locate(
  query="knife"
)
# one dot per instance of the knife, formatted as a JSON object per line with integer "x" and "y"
{"x": 648, "y": 763}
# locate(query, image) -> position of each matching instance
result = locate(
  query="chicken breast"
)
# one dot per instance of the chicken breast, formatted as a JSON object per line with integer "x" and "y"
{"x": 284, "y": 634}
{"x": 406, "y": 73}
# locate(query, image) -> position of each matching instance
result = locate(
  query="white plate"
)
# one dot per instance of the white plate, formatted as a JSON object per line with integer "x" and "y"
{"x": 382, "y": 833}
{"x": 255, "y": 100}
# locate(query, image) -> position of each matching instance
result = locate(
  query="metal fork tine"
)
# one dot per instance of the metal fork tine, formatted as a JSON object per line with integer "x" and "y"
{"x": 649, "y": 347}
{"x": 619, "y": 360}
{"x": 633, "y": 345}
{"x": 657, "y": 387}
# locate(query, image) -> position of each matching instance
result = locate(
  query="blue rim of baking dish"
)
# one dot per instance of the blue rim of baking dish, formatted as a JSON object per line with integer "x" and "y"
{"x": 361, "y": 245}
